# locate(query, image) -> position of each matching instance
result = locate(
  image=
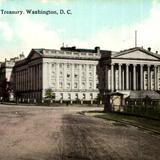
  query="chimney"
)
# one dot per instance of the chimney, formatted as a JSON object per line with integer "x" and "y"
{"x": 97, "y": 49}
{"x": 156, "y": 52}
{"x": 149, "y": 49}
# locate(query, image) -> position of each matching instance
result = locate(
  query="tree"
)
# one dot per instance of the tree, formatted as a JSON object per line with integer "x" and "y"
{"x": 6, "y": 90}
{"x": 49, "y": 94}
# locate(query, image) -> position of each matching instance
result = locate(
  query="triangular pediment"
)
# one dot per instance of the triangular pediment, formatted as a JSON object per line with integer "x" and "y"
{"x": 34, "y": 54}
{"x": 138, "y": 54}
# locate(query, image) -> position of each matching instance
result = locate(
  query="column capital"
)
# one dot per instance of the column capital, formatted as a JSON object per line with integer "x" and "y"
{"x": 120, "y": 64}
{"x": 141, "y": 65}
{"x": 134, "y": 65}
{"x": 112, "y": 64}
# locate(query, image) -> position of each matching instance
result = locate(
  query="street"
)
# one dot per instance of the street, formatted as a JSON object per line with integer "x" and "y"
{"x": 62, "y": 133}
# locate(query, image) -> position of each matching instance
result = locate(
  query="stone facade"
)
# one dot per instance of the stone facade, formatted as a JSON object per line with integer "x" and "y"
{"x": 81, "y": 74}
{"x": 134, "y": 69}
{"x": 71, "y": 73}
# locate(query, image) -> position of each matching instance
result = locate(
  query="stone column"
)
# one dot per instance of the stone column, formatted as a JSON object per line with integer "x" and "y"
{"x": 34, "y": 77}
{"x": 49, "y": 75}
{"x": 141, "y": 77}
{"x": 158, "y": 76}
{"x": 95, "y": 77}
{"x": 134, "y": 77}
{"x": 106, "y": 77}
{"x": 72, "y": 78}
{"x": 155, "y": 77}
{"x": 80, "y": 76}
{"x": 148, "y": 75}
{"x": 57, "y": 76}
{"x": 38, "y": 79}
{"x": 87, "y": 76}
{"x": 112, "y": 77}
{"x": 127, "y": 76}
{"x": 120, "y": 76}
{"x": 65, "y": 75}
{"x": 16, "y": 87}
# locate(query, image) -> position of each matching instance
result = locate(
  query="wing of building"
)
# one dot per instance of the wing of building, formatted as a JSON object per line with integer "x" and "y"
{"x": 71, "y": 73}
{"x": 135, "y": 69}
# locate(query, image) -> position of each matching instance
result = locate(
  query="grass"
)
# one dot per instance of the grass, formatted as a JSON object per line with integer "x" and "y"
{"x": 143, "y": 122}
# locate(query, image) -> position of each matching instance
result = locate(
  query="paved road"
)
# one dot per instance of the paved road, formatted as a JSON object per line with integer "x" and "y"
{"x": 37, "y": 133}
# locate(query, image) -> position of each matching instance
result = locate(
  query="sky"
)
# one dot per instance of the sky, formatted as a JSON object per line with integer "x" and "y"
{"x": 110, "y": 24}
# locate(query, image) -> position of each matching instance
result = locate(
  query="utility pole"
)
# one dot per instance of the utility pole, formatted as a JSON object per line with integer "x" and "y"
{"x": 135, "y": 38}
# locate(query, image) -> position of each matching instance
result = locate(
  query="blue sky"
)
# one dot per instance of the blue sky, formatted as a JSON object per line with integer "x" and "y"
{"x": 109, "y": 24}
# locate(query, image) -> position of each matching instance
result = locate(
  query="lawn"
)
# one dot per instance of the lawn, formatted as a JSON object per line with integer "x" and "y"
{"x": 142, "y": 122}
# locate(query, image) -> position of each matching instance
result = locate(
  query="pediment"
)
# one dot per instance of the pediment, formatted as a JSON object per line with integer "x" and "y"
{"x": 33, "y": 55}
{"x": 138, "y": 54}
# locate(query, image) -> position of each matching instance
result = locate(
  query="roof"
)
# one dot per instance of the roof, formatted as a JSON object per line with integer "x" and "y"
{"x": 114, "y": 93}
{"x": 116, "y": 54}
{"x": 143, "y": 94}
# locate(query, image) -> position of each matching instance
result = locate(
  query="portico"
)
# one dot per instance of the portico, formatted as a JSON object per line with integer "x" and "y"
{"x": 132, "y": 69}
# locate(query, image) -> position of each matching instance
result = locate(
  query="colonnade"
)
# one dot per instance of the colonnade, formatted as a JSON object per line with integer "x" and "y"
{"x": 30, "y": 78}
{"x": 131, "y": 77}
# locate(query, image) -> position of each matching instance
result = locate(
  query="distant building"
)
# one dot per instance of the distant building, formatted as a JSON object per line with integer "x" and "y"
{"x": 6, "y": 78}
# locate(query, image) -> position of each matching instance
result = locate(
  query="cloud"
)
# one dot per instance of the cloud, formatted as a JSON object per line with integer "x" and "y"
{"x": 123, "y": 37}
{"x": 54, "y": 1}
{"x": 2, "y": 1}
{"x": 35, "y": 35}
{"x": 6, "y": 31}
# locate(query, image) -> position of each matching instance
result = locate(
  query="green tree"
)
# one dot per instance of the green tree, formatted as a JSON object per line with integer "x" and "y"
{"x": 49, "y": 94}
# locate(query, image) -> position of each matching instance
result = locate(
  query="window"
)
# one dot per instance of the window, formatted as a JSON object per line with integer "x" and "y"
{"x": 75, "y": 75}
{"x": 68, "y": 65}
{"x": 97, "y": 85}
{"x": 69, "y": 96}
{"x": 83, "y": 85}
{"x": 61, "y": 73}
{"x": 76, "y": 85}
{"x": 90, "y": 85}
{"x": 90, "y": 74}
{"x": 68, "y": 75}
{"x": 76, "y": 66}
{"x": 60, "y": 85}
{"x": 84, "y": 96}
{"x": 53, "y": 65}
{"x": 76, "y": 95}
{"x": 60, "y": 65}
{"x": 91, "y": 95}
{"x": 61, "y": 96}
{"x": 68, "y": 85}
{"x": 90, "y": 66}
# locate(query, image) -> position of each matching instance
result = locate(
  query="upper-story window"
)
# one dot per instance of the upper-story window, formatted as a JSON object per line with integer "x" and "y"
{"x": 76, "y": 66}
{"x": 60, "y": 65}
{"x": 68, "y": 75}
{"x": 68, "y": 66}
{"x": 75, "y": 75}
